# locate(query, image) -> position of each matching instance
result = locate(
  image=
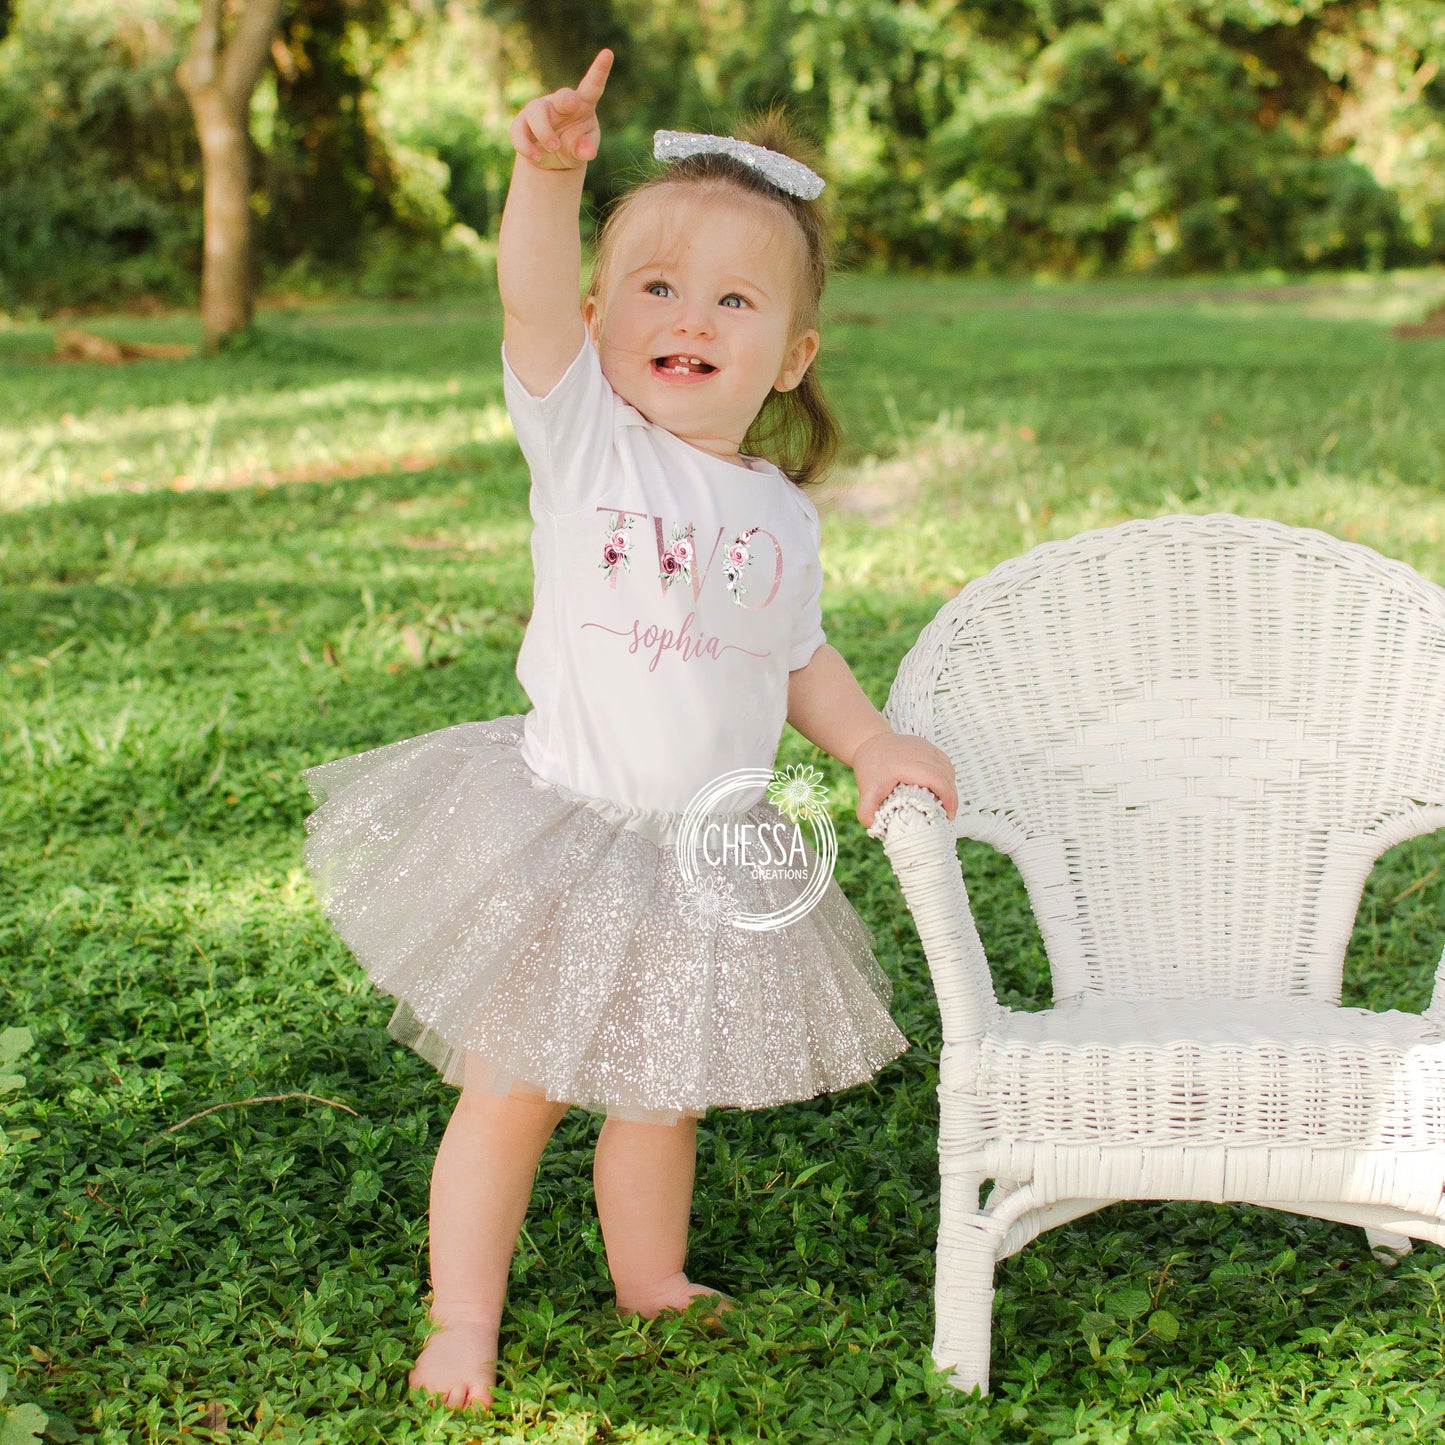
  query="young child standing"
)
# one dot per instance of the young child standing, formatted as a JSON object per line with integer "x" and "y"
{"x": 514, "y": 883}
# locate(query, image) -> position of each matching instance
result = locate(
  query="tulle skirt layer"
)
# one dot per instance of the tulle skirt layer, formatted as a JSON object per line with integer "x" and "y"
{"x": 543, "y": 942}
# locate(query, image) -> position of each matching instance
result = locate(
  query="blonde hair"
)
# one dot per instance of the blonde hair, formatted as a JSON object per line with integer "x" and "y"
{"x": 795, "y": 430}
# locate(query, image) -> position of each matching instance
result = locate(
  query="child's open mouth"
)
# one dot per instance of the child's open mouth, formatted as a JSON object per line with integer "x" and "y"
{"x": 681, "y": 368}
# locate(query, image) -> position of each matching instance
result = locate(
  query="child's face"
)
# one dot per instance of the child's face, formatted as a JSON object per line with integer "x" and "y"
{"x": 712, "y": 279}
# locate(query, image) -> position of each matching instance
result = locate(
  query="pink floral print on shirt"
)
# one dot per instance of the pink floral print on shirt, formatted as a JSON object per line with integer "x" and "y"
{"x": 676, "y": 561}
{"x": 617, "y": 546}
{"x": 739, "y": 555}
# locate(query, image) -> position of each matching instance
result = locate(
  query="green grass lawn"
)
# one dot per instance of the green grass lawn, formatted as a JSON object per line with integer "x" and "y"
{"x": 216, "y": 574}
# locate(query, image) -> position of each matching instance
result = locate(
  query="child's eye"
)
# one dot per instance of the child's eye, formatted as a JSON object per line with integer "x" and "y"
{"x": 652, "y": 286}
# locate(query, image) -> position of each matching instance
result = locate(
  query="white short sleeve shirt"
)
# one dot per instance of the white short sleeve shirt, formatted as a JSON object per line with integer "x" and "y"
{"x": 673, "y": 594}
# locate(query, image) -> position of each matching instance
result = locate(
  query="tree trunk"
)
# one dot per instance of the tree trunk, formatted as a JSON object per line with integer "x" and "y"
{"x": 218, "y": 85}
{"x": 227, "y": 299}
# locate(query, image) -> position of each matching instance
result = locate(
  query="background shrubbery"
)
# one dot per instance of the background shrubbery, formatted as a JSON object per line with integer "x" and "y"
{"x": 998, "y": 136}
{"x": 100, "y": 184}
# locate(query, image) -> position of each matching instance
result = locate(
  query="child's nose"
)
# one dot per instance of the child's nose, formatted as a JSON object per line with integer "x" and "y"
{"x": 695, "y": 319}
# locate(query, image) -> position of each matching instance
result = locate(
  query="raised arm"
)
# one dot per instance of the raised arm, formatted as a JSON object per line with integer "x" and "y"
{"x": 539, "y": 250}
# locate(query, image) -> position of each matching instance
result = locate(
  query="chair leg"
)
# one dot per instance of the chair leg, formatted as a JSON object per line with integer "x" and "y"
{"x": 1388, "y": 1247}
{"x": 963, "y": 1285}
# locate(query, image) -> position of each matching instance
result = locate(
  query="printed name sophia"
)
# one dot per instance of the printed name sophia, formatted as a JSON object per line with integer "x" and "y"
{"x": 659, "y": 640}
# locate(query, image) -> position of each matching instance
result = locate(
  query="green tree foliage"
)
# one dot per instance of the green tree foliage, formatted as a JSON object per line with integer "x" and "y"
{"x": 1389, "y": 67}
{"x": 1027, "y": 135}
{"x": 326, "y": 178}
{"x": 1067, "y": 136}
{"x": 99, "y": 165}
{"x": 1137, "y": 134}
{"x": 1146, "y": 145}
{"x": 443, "y": 102}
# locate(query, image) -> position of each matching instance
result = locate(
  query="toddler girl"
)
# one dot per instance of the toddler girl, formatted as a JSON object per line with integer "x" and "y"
{"x": 516, "y": 883}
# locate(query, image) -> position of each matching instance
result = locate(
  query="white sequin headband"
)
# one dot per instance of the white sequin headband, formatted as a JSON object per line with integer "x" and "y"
{"x": 783, "y": 171}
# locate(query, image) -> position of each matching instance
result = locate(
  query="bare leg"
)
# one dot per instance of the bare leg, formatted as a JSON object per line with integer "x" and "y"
{"x": 643, "y": 1178}
{"x": 480, "y": 1185}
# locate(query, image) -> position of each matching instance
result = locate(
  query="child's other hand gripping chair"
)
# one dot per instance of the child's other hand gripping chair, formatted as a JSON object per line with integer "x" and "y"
{"x": 1193, "y": 736}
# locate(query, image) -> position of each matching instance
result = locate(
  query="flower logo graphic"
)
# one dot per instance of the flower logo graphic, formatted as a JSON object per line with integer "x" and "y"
{"x": 724, "y": 841}
{"x": 799, "y": 791}
{"x": 708, "y": 902}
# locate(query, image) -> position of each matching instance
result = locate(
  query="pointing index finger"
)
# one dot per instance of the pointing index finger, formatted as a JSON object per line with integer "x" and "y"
{"x": 591, "y": 86}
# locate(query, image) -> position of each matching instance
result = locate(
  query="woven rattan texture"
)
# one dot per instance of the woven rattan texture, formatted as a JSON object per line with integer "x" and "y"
{"x": 1194, "y": 736}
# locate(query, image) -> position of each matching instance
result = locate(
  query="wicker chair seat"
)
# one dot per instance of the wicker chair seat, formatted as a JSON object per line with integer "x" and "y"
{"x": 1212, "y": 1071}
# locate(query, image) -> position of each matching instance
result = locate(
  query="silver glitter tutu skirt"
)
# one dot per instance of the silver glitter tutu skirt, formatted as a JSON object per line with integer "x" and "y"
{"x": 544, "y": 943}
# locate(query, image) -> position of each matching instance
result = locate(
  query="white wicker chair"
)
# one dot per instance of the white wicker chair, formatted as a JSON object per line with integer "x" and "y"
{"x": 1194, "y": 736}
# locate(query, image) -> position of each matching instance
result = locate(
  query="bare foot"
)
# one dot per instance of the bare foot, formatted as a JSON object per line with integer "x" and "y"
{"x": 459, "y": 1360}
{"x": 672, "y": 1296}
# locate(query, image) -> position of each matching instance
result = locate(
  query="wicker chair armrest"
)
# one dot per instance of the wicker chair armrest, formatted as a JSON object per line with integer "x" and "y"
{"x": 921, "y": 845}
{"x": 1436, "y": 1012}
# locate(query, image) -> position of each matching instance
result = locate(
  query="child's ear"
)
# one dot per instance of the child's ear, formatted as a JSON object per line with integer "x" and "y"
{"x": 589, "y": 317}
{"x": 797, "y": 361}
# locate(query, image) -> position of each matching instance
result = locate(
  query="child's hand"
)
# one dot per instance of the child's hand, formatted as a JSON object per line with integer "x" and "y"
{"x": 887, "y": 759}
{"x": 559, "y": 132}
